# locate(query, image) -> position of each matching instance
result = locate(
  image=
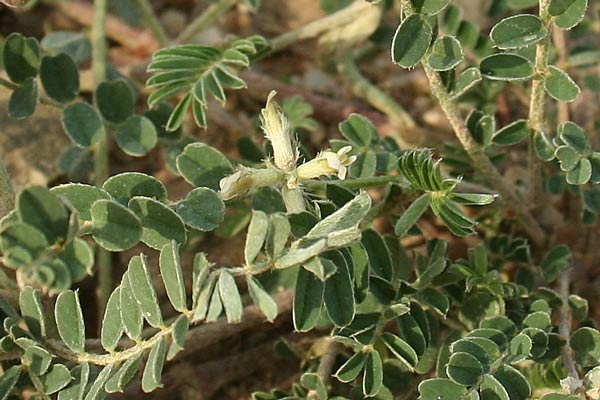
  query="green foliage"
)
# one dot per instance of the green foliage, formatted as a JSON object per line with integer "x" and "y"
{"x": 451, "y": 318}
{"x": 197, "y": 71}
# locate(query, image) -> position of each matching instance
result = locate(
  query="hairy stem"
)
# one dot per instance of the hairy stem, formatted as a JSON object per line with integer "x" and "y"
{"x": 293, "y": 199}
{"x": 326, "y": 365}
{"x": 42, "y": 99}
{"x": 343, "y": 17}
{"x": 152, "y": 22}
{"x": 358, "y": 183}
{"x": 7, "y": 193}
{"x": 205, "y": 19}
{"x": 562, "y": 61}
{"x": 564, "y": 326}
{"x": 536, "y": 105}
{"x": 201, "y": 337}
{"x": 361, "y": 87}
{"x": 101, "y": 159}
{"x": 481, "y": 161}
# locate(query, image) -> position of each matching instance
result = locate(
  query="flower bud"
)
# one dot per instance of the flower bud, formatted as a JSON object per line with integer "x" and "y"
{"x": 327, "y": 163}
{"x": 245, "y": 179}
{"x": 277, "y": 129}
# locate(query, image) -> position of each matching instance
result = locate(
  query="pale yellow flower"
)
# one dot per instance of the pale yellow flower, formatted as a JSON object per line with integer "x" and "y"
{"x": 327, "y": 163}
{"x": 245, "y": 179}
{"x": 277, "y": 129}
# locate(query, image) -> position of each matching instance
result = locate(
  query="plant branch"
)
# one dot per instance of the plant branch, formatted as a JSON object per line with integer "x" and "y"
{"x": 536, "y": 105}
{"x": 326, "y": 365}
{"x": 205, "y": 19}
{"x": 340, "y": 18}
{"x": 42, "y": 99}
{"x": 152, "y": 22}
{"x": 564, "y": 328}
{"x": 361, "y": 87}
{"x": 101, "y": 152}
{"x": 7, "y": 192}
{"x": 562, "y": 61}
{"x": 357, "y": 183}
{"x": 482, "y": 163}
{"x": 197, "y": 339}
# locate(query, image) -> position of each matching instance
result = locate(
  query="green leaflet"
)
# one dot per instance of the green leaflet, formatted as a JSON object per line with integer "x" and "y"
{"x": 202, "y": 209}
{"x": 24, "y": 99}
{"x": 230, "y": 297}
{"x": 131, "y": 316}
{"x": 567, "y": 13}
{"x": 400, "y": 349}
{"x": 199, "y": 276}
{"x": 55, "y": 379}
{"x": 464, "y": 369}
{"x": 96, "y": 390}
{"x": 441, "y": 389}
{"x": 116, "y": 383}
{"x": 80, "y": 197}
{"x": 518, "y": 31}
{"x": 256, "y": 236}
{"x": 152, "y": 372}
{"x": 112, "y": 324}
{"x": 373, "y": 374}
{"x": 160, "y": 224}
{"x": 411, "y": 41}
{"x": 136, "y": 136}
{"x": 30, "y": 304}
{"x": 506, "y": 67}
{"x": 40, "y": 208}
{"x": 514, "y": 382}
{"x": 37, "y": 360}
{"x": 8, "y": 380}
{"x": 350, "y": 370}
{"x": 359, "y": 130}
{"x": 114, "y": 226}
{"x": 172, "y": 276}
{"x": 491, "y": 388}
{"x": 21, "y": 57}
{"x": 60, "y": 77}
{"x": 69, "y": 320}
{"x": 140, "y": 285}
{"x": 125, "y": 186}
{"x": 262, "y": 299}
{"x": 308, "y": 300}
{"x": 339, "y": 291}
{"x": 202, "y": 165}
{"x": 560, "y": 85}
{"x": 178, "y": 334}
{"x": 76, "y": 389}
{"x": 446, "y": 53}
{"x": 115, "y": 100}
{"x": 83, "y": 124}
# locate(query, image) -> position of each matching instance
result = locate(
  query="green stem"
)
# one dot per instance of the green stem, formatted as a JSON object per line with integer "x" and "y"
{"x": 361, "y": 87}
{"x": 7, "y": 193}
{"x": 358, "y": 183}
{"x": 8, "y": 84}
{"x": 42, "y": 99}
{"x": 564, "y": 326}
{"x": 293, "y": 199}
{"x": 481, "y": 161}
{"x": 152, "y": 22}
{"x": 101, "y": 155}
{"x": 340, "y": 18}
{"x": 536, "y": 105}
{"x": 209, "y": 16}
